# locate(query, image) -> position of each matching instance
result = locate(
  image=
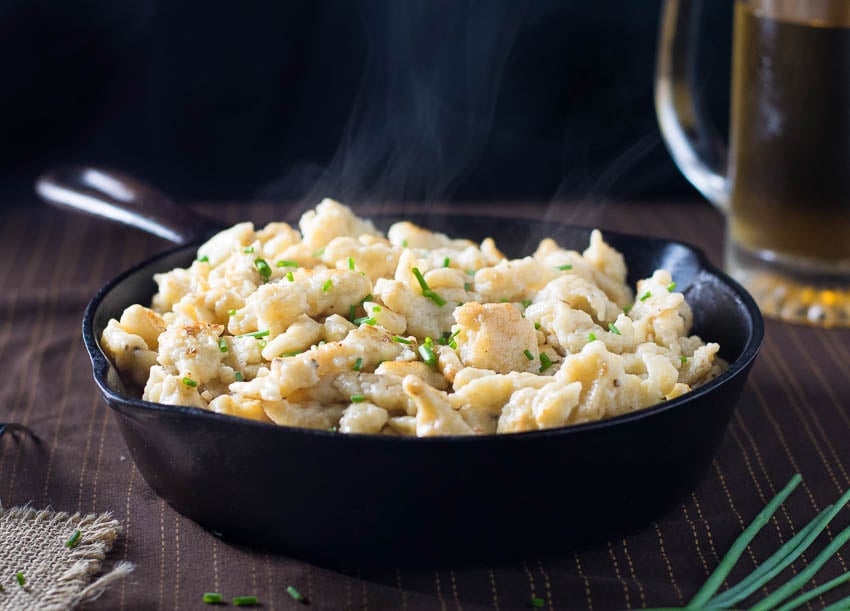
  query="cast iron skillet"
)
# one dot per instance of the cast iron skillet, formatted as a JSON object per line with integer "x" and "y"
{"x": 370, "y": 500}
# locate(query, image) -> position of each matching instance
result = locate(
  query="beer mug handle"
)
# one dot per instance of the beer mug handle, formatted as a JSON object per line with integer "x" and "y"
{"x": 694, "y": 144}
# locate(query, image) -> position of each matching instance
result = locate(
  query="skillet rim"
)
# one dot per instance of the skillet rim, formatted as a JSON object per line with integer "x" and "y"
{"x": 752, "y": 346}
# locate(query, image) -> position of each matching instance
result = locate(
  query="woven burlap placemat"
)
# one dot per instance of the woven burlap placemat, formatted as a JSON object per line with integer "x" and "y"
{"x": 55, "y": 575}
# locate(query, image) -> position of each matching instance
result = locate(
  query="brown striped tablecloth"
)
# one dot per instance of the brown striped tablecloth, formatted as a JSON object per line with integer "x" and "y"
{"x": 794, "y": 417}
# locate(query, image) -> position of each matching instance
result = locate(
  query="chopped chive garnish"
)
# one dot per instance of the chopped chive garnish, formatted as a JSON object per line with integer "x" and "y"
{"x": 357, "y": 398}
{"x": 352, "y": 311}
{"x": 566, "y": 267}
{"x": 350, "y": 263}
{"x": 285, "y": 263}
{"x": 591, "y": 337}
{"x": 332, "y": 429}
{"x": 627, "y": 309}
{"x": 248, "y": 250}
{"x": 434, "y": 297}
{"x": 401, "y": 340}
{"x": 290, "y": 276}
{"x": 190, "y": 382}
{"x": 446, "y": 262}
{"x": 420, "y": 279}
{"x": 683, "y": 359}
{"x": 327, "y": 285}
{"x": 263, "y": 268}
{"x": 671, "y": 287}
{"x": 470, "y": 272}
{"x": 503, "y": 300}
{"x": 293, "y": 353}
{"x": 367, "y": 320}
{"x": 231, "y": 312}
{"x": 427, "y": 354}
{"x": 74, "y": 540}
{"x": 467, "y": 286}
{"x": 545, "y": 362}
{"x": 244, "y": 601}
{"x": 526, "y": 303}
{"x": 357, "y": 364}
{"x": 404, "y": 243}
{"x": 319, "y": 252}
{"x": 262, "y": 344}
{"x": 238, "y": 375}
{"x": 613, "y": 329}
{"x": 528, "y": 354}
{"x": 537, "y": 602}
{"x": 212, "y": 598}
{"x": 537, "y": 325}
{"x": 257, "y": 334}
{"x": 295, "y": 593}
{"x": 222, "y": 344}
{"x": 21, "y": 579}
{"x": 366, "y": 298}
{"x": 646, "y": 296}
{"x": 204, "y": 259}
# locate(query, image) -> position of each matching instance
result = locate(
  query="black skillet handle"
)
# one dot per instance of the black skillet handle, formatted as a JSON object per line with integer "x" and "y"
{"x": 120, "y": 198}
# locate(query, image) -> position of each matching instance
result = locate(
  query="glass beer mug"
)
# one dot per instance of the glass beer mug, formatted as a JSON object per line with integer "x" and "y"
{"x": 784, "y": 184}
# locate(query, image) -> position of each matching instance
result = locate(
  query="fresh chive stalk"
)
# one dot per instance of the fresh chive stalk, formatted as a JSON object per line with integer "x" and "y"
{"x": 327, "y": 285}
{"x": 565, "y": 267}
{"x": 726, "y": 565}
{"x": 545, "y": 362}
{"x": 290, "y": 276}
{"x": 222, "y": 344}
{"x": 357, "y": 364}
{"x": 238, "y": 375}
{"x": 591, "y": 337}
{"x": 401, "y": 340}
{"x": 352, "y": 311}
{"x": 528, "y": 354}
{"x": 204, "y": 259}
{"x": 368, "y": 320}
{"x": 537, "y": 602}
{"x": 537, "y": 325}
{"x": 286, "y": 263}
{"x": 212, "y": 598}
{"x": 447, "y": 262}
{"x": 646, "y": 296}
{"x": 20, "y": 578}
{"x": 526, "y": 303}
{"x": 190, "y": 382}
{"x": 613, "y": 329}
{"x": 248, "y": 250}
{"x": 627, "y": 309}
{"x": 671, "y": 287}
{"x": 357, "y": 398}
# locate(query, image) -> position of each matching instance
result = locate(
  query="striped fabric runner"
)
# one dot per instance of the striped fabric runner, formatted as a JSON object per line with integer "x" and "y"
{"x": 794, "y": 416}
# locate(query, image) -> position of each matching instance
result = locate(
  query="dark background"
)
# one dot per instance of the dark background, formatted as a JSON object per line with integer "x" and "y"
{"x": 373, "y": 99}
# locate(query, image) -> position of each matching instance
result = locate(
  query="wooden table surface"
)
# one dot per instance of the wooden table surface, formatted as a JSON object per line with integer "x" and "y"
{"x": 794, "y": 416}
